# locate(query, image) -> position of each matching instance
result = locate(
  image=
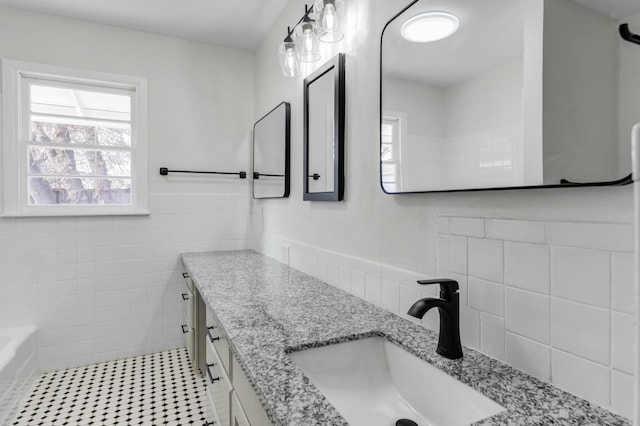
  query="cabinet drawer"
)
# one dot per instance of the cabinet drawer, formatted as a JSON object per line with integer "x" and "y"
{"x": 220, "y": 343}
{"x": 251, "y": 406}
{"x": 186, "y": 279}
{"x": 219, "y": 386}
{"x": 238, "y": 417}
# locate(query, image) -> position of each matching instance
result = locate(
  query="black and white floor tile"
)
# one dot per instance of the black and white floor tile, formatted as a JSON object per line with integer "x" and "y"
{"x": 151, "y": 390}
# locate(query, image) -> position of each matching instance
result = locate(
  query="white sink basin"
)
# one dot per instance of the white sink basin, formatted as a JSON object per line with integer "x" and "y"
{"x": 374, "y": 382}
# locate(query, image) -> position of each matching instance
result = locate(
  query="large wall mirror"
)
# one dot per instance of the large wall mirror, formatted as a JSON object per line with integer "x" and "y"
{"x": 271, "y": 148}
{"x": 324, "y": 103}
{"x": 525, "y": 93}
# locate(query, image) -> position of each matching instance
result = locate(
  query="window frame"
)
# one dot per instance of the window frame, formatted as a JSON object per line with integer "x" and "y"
{"x": 15, "y": 200}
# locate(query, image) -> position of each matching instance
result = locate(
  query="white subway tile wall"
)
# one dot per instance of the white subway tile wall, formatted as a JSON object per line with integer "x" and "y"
{"x": 102, "y": 288}
{"x": 553, "y": 299}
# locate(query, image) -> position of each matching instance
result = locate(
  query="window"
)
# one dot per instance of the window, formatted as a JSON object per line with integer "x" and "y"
{"x": 390, "y": 153}
{"x": 74, "y": 142}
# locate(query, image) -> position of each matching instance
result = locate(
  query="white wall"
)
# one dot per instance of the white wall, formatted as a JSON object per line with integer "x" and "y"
{"x": 580, "y": 94}
{"x": 420, "y": 106}
{"x": 374, "y": 245}
{"x": 103, "y": 288}
{"x": 465, "y": 135}
{"x": 397, "y": 230}
{"x": 200, "y": 111}
{"x": 484, "y": 129}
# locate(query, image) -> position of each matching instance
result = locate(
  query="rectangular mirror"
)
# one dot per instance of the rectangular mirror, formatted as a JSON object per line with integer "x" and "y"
{"x": 525, "y": 93}
{"x": 271, "y": 147}
{"x": 324, "y": 102}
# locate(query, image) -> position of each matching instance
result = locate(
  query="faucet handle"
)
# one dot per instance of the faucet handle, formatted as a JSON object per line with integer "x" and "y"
{"x": 448, "y": 287}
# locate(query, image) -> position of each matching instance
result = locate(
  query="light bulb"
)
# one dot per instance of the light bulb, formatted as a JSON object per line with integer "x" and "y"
{"x": 329, "y": 17}
{"x": 307, "y": 42}
{"x": 329, "y": 23}
{"x": 291, "y": 68}
{"x": 289, "y": 60}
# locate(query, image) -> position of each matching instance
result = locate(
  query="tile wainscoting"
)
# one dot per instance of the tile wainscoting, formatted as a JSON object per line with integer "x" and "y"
{"x": 104, "y": 288}
{"x": 554, "y": 299}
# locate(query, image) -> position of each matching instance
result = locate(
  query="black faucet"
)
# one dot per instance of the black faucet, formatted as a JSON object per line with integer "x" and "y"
{"x": 449, "y": 307}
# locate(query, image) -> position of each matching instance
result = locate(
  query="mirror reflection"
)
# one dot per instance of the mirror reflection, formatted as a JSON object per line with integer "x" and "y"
{"x": 324, "y": 101}
{"x": 321, "y": 131}
{"x": 271, "y": 145}
{"x": 514, "y": 93}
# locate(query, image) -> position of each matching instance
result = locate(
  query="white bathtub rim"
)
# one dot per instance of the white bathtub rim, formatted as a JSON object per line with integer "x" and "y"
{"x": 18, "y": 335}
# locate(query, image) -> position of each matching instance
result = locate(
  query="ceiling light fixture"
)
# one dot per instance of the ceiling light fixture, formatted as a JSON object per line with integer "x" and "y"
{"x": 429, "y": 26}
{"x": 320, "y": 22}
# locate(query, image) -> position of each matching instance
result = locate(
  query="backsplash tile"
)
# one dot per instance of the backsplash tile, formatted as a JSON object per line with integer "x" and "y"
{"x": 622, "y": 338}
{"x": 390, "y": 296}
{"x": 548, "y": 302}
{"x": 581, "y": 275}
{"x": 486, "y": 259}
{"x": 515, "y": 230}
{"x": 581, "y": 377}
{"x": 470, "y": 327}
{"x": 373, "y": 292}
{"x": 582, "y": 330}
{"x": 622, "y": 282}
{"x": 527, "y": 266}
{"x": 492, "y": 336}
{"x": 528, "y": 314}
{"x": 529, "y": 356}
{"x": 458, "y": 254}
{"x": 486, "y": 296}
{"x": 468, "y": 226}
{"x": 622, "y": 394}
{"x": 602, "y": 236}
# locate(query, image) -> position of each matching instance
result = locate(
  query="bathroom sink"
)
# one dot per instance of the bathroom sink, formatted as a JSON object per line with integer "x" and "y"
{"x": 374, "y": 382}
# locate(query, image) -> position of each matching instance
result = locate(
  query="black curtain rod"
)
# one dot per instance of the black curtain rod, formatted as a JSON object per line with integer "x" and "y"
{"x": 165, "y": 171}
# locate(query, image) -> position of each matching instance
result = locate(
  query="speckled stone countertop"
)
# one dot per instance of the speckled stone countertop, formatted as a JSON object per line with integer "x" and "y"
{"x": 267, "y": 310}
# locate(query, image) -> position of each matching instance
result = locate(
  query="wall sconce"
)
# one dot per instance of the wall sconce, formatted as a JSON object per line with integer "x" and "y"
{"x": 330, "y": 17}
{"x": 289, "y": 58}
{"x": 320, "y": 22}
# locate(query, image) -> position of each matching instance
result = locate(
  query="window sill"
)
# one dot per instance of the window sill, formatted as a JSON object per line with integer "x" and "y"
{"x": 71, "y": 214}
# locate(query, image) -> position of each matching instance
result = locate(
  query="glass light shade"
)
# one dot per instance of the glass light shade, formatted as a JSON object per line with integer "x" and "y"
{"x": 430, "y": 26}
{"x": 307, "y": 41}
{"x": 289, "y": 59}
{"x": 329, "y": 14}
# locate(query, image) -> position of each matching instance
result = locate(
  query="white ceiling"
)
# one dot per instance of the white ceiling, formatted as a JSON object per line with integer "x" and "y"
{"x": 239, "y": 24}
{"x": 490, "y": 34}
{"x": 477, "y": 46}
{"x": 615, "y": 9}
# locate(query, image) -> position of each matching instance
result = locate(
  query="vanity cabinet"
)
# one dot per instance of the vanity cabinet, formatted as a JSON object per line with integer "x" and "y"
{"x": 233, "y": 397}
{"x": 248, "y": 407}
{"x": 186, "y": 301}
{"x": 192, "y": 312}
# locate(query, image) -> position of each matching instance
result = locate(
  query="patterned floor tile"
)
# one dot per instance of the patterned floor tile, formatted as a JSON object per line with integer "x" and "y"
{"x": 148, "y": 390}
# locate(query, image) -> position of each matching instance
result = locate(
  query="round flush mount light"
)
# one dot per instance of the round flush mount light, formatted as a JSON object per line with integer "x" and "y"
{"x": 430, "y": 26}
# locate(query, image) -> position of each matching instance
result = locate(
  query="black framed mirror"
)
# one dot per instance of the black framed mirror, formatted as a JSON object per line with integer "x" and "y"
{"x": 324, "y": 128}
{"x": 271, "y": 152}
{"x": 522, "y": 94}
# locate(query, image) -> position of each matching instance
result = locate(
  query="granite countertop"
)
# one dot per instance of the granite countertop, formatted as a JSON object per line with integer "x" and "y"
{"x": 267, "y": 310}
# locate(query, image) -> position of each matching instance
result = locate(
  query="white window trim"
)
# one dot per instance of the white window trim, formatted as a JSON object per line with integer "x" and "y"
{"x": 14, "y": 202}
